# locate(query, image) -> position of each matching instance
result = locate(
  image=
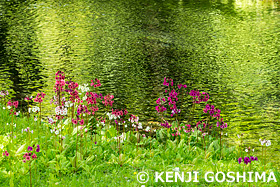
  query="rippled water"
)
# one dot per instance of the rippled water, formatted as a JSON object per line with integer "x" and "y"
{"x": 227, "y": 48}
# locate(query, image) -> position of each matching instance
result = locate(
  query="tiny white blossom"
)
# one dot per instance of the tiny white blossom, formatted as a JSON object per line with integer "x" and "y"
{"x": 176, "y": 169}
{"x": 147, "y": 128}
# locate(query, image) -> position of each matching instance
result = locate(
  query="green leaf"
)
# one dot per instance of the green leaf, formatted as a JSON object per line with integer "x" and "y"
{"x": 20, "y": 150}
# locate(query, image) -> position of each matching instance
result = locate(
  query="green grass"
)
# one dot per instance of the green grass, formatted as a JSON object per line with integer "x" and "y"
{"x": 99, "y": 165}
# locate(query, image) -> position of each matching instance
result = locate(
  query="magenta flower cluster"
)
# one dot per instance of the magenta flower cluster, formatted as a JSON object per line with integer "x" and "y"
{"x": 214, "y": 112}
{"x": 247, "y": 160}
{"x": 166, "y": 83}
{"x": 28, "y": 155}
{"x": 95, "y": 83}
{"x": 172, "y": 102}
{"x": 199, "y": 97}
{"x": 222, "y": 124}
{"x": 39, "y": 97}
{"x": 172, "y": 98}
{"x": 60, "y": 82}
{"x": 12, "y": 103}
{"x": 74, "y": 95}
{"x": 119, "y": 113}
{"x": 6, "y": 153}
{"x": 82, "y": 109}
{"x": 108, "y": 100}
{"x": 28, "y": 98}
{"x": 160, "y": 107}
{"x": 166, "y": 125}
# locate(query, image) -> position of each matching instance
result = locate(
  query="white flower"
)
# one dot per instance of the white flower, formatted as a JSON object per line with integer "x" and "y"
{"x": 15, "y": 125}
{"x": 35, "y": 109}
{"x": 268, "y": 143}
{"x": 35, "y": 119}
{"x": 125, "y": 126}
{"x": 147, "y": 128}
{"x": 85, "y": 97}
{"x": 140, "y": 126}
{"x": 176, "y": 169}
{"x": 4, "y": 108}
{"x": 246, "y": 150}
{"x": 83, "y": 88}
{"x": 31, "y": 131}
{"x": 9, "y": 107}
{"x": 238, "y": 135}
{"x": 61, "y": 110}
{"x": 253, "y": 150}
{"x": 56, "y": 132}
{"x": 97, "y": 125}
{"x": 68, "y": 104}
{"x": 51, "y": 131}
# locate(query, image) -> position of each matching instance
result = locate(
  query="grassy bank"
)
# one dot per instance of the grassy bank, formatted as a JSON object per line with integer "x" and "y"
{"x": 108, "y": 163}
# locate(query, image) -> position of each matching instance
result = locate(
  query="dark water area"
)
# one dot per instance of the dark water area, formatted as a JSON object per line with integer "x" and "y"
{"x": 227, "y": 48}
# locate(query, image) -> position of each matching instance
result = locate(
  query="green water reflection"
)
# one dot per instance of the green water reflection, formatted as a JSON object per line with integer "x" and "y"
{"x": 227, "y": 48}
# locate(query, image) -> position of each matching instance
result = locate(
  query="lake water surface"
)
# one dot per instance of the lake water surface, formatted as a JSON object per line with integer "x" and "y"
{"x": 227, "y": 48}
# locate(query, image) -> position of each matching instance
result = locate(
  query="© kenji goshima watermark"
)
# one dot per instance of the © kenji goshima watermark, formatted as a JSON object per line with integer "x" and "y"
{"x": 143, "y": 177}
